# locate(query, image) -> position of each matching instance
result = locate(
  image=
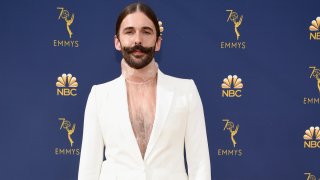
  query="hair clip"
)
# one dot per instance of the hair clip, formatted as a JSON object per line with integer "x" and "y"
{"x": 161, "y": 27}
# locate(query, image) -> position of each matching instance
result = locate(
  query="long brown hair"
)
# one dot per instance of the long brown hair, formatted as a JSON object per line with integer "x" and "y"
{"x": 134, "y": 7}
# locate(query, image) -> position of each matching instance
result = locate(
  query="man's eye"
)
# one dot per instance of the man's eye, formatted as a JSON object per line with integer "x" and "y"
{"x": 129, "y": 32}
{"x": 147, "y": 32}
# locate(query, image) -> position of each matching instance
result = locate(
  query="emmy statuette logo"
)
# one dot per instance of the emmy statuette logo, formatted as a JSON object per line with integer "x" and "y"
{"x": 69, "y": 130}
{"x": 232, "y": 86}
{"x": 233, "y": 130}
{"x": 315, "y": 29}
{"x": 66, "y": 85}
{"x": 65, "y": 124}
{"x": 310, "y": 176}
{"x": 314, "y": 74}
{"x": 237, "y": 21}
{"x": 68, "y": 20}
{"x": 233, "y": 16}
{"x": 65, "y": 15}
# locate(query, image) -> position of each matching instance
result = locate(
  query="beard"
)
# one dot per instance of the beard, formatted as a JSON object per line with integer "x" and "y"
{"x": 138, "y": 61}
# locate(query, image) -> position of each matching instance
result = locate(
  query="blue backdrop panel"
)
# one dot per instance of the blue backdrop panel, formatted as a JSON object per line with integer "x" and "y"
{"x": 272, "y": 56}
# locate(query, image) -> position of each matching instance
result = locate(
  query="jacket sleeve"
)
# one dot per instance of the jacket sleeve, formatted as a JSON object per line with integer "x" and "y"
{"x": 92, "y": 142}
{"x": 196, "y": 143}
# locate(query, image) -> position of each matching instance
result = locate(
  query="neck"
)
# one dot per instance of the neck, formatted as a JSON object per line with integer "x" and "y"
{"x": 139, "y": 75}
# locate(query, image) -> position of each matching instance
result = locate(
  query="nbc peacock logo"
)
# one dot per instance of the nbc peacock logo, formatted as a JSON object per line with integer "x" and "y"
{"x": 315, "y": 29}
{"x": 312, "y": 137}
{"x": 67, "y": 85}
{"x": 232, "y": 86}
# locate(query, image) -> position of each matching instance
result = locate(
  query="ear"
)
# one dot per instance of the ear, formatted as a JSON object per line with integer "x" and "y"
{"x": 158, "y": 44}
{"x": 117, "y": 43}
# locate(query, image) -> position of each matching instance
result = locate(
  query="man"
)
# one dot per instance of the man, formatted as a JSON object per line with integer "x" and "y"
{"x": 144, "y": 119}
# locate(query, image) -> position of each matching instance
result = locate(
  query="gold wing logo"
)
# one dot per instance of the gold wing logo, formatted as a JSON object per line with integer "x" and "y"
{"x": 233, "y": 130}
{"x": 310, "y": 176}
{"x": 316, "y": 74}
{"x": 65, "y": 80}
{"x": 64, "y": 14}
{"x": 312, "y": 133}
{"x": 315, "y": 25}
{"x": 65, "y": 124}
{"x": 232, "y": 82}
{"x": 234, "y": 17}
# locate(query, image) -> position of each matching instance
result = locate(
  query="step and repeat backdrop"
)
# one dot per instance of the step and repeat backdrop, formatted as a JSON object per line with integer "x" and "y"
{"x": 256, "y": 65}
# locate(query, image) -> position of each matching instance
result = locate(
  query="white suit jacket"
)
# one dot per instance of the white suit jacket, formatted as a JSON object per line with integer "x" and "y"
{"x": 179, "y": 123}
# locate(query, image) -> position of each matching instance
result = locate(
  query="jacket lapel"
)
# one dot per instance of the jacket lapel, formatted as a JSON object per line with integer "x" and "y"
{"x": 121, "y": 112}
{"x": 163, "y": 104}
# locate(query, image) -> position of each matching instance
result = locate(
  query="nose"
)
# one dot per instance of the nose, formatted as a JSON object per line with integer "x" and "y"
{"x": 137, "y": 39}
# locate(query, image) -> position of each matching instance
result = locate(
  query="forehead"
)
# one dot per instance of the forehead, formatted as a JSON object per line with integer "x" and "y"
{"x": 137, "y": 20}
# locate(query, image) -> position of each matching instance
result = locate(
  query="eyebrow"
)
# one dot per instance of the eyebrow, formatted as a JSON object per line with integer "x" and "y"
{"x": 147, "y": 28}
{"x": 128, "y": 28}
{"x": 132, "y": 28}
